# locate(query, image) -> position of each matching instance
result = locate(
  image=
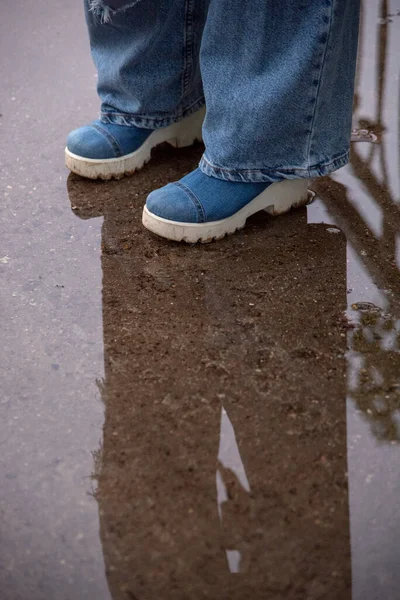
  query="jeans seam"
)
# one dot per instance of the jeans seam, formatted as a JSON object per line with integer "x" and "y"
{"x": 198, "y": 205}
{"x": 143, "y": 121}
{"x": 276, "y": 174}
{"x": 172, "y": 118}
{"x": 281, "y": 169}
{"x": 319, "y": 81}
{"x": 113, "y": 141}
{"x": 188, "y": 46}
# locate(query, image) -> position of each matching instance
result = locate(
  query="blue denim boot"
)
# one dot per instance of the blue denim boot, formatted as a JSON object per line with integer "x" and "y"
{"x": 199, "y": 208}
{"x": 105, "y": 150}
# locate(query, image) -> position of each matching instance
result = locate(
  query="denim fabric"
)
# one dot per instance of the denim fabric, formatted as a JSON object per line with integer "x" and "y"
{"x": 277, "y": 78}
{"x": 147, "y": 61}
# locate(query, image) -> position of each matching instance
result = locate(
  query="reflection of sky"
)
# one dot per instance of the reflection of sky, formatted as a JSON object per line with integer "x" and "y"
{"x": 360, "y": 285}
{"x": 374, "y": 466}
{"x": 229, "y": 457}
{"x": 368, "y": 82}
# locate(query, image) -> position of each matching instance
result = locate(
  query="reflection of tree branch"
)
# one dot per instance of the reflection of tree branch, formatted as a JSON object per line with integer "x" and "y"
{"x": 378, "y": 191}
{"x": 382, "y": 52}
{"x": 382, "y": 45}
{"x": 382, "y": 196}
{"x": 377, "y": 390}
{"x": 359, "y": 57}
{"x": 379, "y": 259}
{"x": 381, "y": 79}
{"x": 375, "y": 340}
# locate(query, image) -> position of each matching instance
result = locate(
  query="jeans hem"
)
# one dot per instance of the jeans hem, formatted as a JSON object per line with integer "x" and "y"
{"x": 151, "y": 121}
{"x": 272, "y": 175}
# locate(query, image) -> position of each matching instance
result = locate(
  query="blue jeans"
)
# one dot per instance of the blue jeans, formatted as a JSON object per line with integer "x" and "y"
{"x": 277, "y": 78}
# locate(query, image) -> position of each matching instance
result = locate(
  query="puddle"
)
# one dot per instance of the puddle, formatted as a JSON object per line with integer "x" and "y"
{"x": 364, "y": 201}
{"x": 221, "y": 421}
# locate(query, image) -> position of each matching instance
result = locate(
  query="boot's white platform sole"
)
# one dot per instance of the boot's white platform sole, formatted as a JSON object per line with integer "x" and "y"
{"x": 179, "y": 135}
{"x": 277, "y": 199}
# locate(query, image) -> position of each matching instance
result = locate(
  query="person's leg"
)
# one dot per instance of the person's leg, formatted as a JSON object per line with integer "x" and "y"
{"x": 147, "y": 58}
{"x": 279, "y": 82}
{"x": 281, "y": 105}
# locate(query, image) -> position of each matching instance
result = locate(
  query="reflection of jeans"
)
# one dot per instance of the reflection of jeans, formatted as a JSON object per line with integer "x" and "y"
{"x": 277, "y": 78}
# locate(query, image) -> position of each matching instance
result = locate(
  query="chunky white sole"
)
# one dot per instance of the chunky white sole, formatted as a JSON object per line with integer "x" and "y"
{"x": 179, "y": 135}
{"x": 277, "y": 199}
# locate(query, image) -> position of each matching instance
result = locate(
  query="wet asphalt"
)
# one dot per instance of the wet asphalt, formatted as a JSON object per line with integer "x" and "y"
{"x": 187, "y": 423}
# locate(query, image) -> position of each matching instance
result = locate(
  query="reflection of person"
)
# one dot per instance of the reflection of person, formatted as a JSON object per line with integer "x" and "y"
{"x": 277, "y": 79}
{"x": 183, "y": 333}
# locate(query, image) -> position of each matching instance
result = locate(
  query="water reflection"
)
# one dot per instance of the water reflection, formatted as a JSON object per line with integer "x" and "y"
{"x": 363, "y": 200}
{"x": 223, "y": 467}
{"x": 222, "y": 472}
{"x": 375, "y": 384}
